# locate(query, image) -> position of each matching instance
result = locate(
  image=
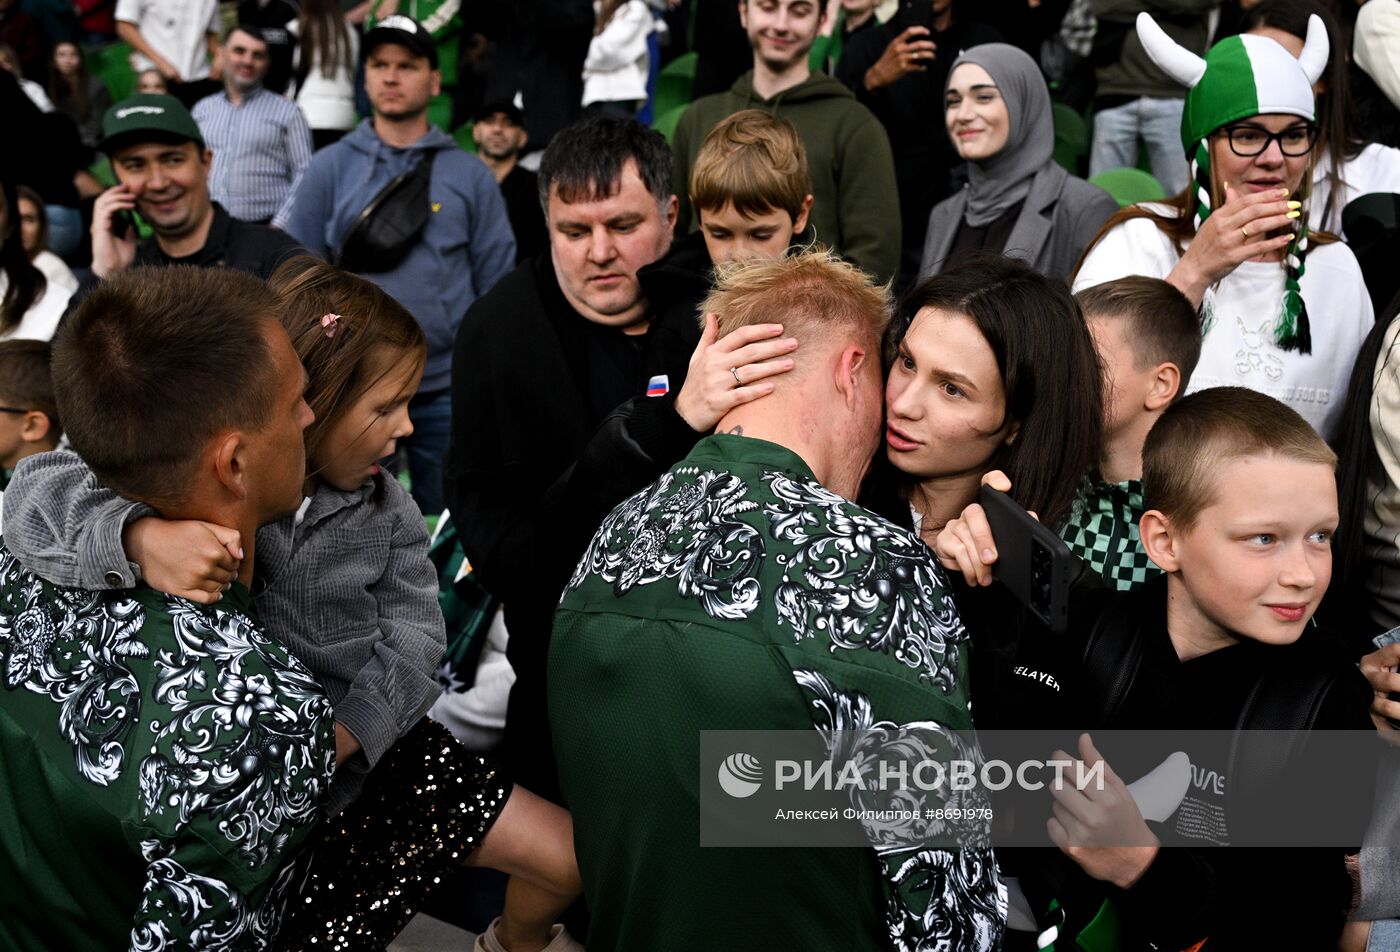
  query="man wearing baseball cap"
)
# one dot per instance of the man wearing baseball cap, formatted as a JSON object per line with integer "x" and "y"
{"x": 162, "y": 167}
{"x": 498, "y": 129}
{"x": 464, "y": 248}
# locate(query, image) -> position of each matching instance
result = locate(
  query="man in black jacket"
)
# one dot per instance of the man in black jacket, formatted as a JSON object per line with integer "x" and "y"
{"x": 162, "y": 165}
{"x": 600, "y": 330}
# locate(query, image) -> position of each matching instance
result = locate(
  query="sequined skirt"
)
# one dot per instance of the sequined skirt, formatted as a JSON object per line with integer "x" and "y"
{"x": 427, "y": 804}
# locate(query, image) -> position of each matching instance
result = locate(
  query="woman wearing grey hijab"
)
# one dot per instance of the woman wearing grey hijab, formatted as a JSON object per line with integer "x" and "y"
{"x": 1017, "y": 201}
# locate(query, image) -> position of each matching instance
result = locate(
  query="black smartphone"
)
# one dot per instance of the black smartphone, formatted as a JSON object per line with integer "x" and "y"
{"x": 122, "y": 223}
{"x": 1032, "y": 562}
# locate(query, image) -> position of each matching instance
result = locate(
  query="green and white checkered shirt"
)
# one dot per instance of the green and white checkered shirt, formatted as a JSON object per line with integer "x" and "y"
{"x": 1103, "y": 530}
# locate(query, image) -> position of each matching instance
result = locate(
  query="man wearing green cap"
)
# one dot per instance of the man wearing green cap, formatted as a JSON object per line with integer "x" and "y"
{"x": 162, "y": 165}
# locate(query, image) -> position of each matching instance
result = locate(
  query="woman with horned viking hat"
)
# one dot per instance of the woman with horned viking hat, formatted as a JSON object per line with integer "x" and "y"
{"x": 1283, "y": 310}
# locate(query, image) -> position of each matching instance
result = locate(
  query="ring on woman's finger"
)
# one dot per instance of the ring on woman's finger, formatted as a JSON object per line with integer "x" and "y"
{"x": 734, "y": 372}
{"x": 1245, "y": 231}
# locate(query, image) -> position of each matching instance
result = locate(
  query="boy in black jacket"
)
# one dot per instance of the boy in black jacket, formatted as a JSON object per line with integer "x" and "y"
{"x": 1242, "y": 505}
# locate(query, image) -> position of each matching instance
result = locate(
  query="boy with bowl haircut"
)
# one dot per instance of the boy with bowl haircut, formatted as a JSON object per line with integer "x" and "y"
{"x": 750, "y": 187}
{"x": 29, "y": 421}
{"x": 1148, "y": 339}
{"x": 1242, "y": 505}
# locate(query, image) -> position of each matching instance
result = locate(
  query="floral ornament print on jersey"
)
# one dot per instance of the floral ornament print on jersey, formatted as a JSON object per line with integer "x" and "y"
{"x": 685, "y": 527}
{"x": 76, "y": 649}
{"x": 936, "y": 899}
{"x": 235, "y": 753}
{"x": 849, "y": 576}
{"x": 195, "y": 730}
{"x": 862, "y": 581}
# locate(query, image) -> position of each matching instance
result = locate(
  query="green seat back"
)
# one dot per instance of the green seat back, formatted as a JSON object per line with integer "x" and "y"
{"x": 1129, "y": 186}
{"x": 666, "y": 122}
{"x": 112, "y": 65}
{"x": 1071, "y": 137}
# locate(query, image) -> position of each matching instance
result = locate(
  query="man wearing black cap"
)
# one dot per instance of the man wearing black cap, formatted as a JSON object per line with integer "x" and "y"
{"x": 464, "y": 248}
{"x": 500, "y": 136}
{"x": 162, "y": 165}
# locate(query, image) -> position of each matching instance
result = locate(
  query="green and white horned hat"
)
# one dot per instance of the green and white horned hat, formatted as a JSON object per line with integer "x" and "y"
{"x": 1244, "y": 76}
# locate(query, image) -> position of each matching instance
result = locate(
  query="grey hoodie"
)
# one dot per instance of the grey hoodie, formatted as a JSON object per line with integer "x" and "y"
{"x": 466, "y": 248}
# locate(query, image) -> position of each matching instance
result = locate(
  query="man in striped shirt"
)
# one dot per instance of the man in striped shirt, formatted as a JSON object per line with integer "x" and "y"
{"x": 261, "y": 141}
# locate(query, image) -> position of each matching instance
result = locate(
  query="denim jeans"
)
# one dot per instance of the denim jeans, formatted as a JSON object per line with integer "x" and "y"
{"x": 431, "y": 414}
{"x": 1157, "y": 123}
{"x": 1385, "y": 936}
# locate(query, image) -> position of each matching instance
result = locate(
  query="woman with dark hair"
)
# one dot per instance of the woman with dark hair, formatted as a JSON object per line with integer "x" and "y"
{"x": 29, "y": 307}
{"x": 77, "y": 93}
{"x": 991, "y": 367}
{"x": 1284, "y": 310}
{"x": 323, "y": 70}
{"x": 1345, "y": 165}
{"x": 1017, "y": 201}
{"x": 34, "y": 233}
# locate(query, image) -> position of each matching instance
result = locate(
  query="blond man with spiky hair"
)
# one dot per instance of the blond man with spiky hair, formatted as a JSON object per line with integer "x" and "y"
{"x": 745, "y": 590}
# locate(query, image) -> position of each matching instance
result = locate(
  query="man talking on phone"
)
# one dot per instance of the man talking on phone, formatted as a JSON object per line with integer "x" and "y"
{"x": 162, "y": 169}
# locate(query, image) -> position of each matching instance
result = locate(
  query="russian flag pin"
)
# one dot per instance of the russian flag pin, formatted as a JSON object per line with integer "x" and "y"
{"x": 658, "y": 386}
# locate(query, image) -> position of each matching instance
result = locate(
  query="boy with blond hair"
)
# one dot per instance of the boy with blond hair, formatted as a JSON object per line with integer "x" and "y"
{"x": 750, "y": 187}
{"x": 1148, "y": 340}
{"x": 1241, "y": 505}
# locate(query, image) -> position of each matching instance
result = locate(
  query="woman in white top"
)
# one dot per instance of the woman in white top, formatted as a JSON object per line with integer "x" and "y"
{"x": 323, "y": 70}
{"x": 1284, "y": 312}
{"x": 34, "y": 235}
{"x": 30, "y": 307}
{"x": 615, "y": 72}
{"x": 1346, "y": 165}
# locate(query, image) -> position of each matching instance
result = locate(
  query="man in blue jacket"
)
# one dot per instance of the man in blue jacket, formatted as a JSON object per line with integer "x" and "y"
{"x": 466, "y": 247}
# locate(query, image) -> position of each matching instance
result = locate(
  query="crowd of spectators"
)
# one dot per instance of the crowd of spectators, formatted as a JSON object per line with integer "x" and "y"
{"x": 421, "y": 421}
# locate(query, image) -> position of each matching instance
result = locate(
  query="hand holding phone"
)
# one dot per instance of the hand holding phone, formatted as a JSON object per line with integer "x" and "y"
{"x": 1380, "y": 667}
{"x": 113, "y": 237}
{"x": 966, "y": 544}
{"x": 1033, "y": 563}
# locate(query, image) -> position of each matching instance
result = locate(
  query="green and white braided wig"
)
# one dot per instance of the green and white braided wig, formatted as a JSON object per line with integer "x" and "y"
{"x": 1241, "y": 77}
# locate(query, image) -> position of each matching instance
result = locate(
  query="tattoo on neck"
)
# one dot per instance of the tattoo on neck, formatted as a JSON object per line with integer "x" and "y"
{"x": 737, "y": 431}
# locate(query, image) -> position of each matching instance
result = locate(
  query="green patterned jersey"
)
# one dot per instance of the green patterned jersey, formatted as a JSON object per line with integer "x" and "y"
{"x": 1103, "y": 530}
{"x": 161, "y": 765}
{"x": 738, "y": 593}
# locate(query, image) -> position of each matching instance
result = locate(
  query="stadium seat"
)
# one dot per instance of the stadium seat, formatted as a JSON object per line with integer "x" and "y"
{"x": 666, "y": 122}
{"x": 112, "y": 65}
{"x": 674, "y": 85}
{"x": 1071, "y": 138}
{"x": 1129, "y": 186}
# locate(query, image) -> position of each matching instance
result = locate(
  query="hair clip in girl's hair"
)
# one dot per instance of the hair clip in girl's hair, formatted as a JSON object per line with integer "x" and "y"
{"x": 330, "y": 324}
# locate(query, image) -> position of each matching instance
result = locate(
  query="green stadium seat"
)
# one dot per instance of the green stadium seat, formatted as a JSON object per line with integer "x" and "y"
{"x": 440, "y": 112}
{"x": 1071, "y": 138}
{"x": 463, "y": 135}
{"x": 666, "y": 122}
{"x": 674, "y": 85}
{"x": 1129, "y": 186}
{"x": 112, "y": 65}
